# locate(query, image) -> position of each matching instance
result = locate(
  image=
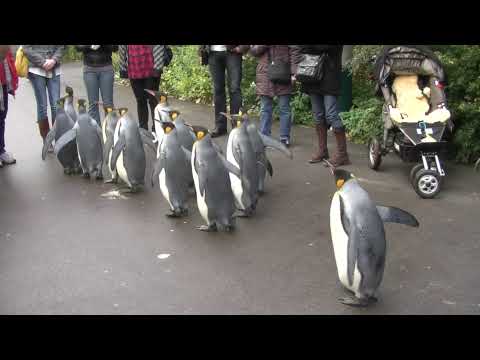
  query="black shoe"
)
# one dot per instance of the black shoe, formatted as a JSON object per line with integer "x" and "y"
{"x": 285, "y": 142}
{"x": 217, "y": 132}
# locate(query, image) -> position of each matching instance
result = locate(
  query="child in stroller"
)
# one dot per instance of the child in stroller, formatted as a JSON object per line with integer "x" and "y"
{"x": 411, "y": 80}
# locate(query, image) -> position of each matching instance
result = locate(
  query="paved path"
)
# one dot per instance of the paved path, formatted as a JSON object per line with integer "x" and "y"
{"x": 66, "y": 250}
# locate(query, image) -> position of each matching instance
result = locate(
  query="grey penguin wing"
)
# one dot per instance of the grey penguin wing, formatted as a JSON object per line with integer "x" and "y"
{"x": 65, "y": 139}
{"x": 202, "y": 171}
{"x": 48, "y": 140}
{"x": 147, "y": 139}
{"x": 157, "y": 168}
{"x": 274, "y": 144}
{"x": 352, "y": 242}
{"x": 217, "y": 148}
{"x": 188, "y": 153}
{"x": 117, "y": 149}
{"x": 395, "y": 215}
{"x": 230, "y": 167}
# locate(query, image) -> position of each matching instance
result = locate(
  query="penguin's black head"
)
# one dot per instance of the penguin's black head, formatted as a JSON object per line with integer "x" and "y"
{"x": 200, "y": 132}
{"x": 341, "y": 177}
{"x": 123, "y": 111}
{"x": 69, "y": 91}
{"x": 236, "y": 119}
{"x": 82, "y": 105}
{"x": 158, "y": 95}
{"x": 168, "y": 126}
{"x": 173, "y": 114}
{"x": 61, "y": 102}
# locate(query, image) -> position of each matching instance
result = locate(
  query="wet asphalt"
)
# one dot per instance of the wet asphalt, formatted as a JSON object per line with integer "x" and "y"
{"x": 66, "y": 249}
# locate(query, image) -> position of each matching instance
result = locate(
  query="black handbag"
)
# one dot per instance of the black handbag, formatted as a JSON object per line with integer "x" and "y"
{"x": 310, "y": 69}
{"x": 278, "y": 71}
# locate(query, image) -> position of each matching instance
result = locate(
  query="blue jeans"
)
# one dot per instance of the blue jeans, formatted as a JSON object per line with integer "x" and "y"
{"x": 325, "y": 111}
{"x": 40, "y": 86}
{"x": 266, "y": 113}
{"x": 97, "y": 82}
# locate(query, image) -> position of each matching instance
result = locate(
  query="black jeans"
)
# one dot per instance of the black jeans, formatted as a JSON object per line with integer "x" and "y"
{"x": 142, "y": 97}
{"x": 218, "y": 62}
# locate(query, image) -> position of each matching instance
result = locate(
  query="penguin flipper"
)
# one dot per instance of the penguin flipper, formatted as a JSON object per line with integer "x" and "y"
{"x": 395, "y": 215}
{"x": 218, "y": 148}
{"x": 230, "y": 167}
{"x": 117, "y": 149}
{"x": 147, "y": 139}
{"x": 65, "y": 139}
{"x": 477, "y": 164}
{"x": 48, "y": 141}
{"x": 275, "y": 144}
{"x": 157, "y": 168}
{"x": 188, "y": 153}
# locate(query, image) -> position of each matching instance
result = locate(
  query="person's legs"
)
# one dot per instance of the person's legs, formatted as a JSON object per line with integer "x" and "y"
{"x": 266, "y": 113}
{"x": 53, "y": 86}
{"x": 217, "y": 64}
{"x": 318, "y": 109}
{"x": 152, "y": 83}
{"x": 285, "y": 117}
{"x": 106, "y": 88}
{"x": 5, "y": 157}
{"x": 3, "y": 116}
{"x": 92, "y": 84}
{"x": 39, "y": 85}
{"x": 234, "y": 73}
{"x": 333, "y": 119}
{"x": 138, "y": 86}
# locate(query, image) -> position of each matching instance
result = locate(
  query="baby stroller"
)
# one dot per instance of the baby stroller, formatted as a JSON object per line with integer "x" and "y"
{"x": 411, "y": 79}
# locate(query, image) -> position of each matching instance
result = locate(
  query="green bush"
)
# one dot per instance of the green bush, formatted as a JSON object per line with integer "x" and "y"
{"x": 71, "y": 54}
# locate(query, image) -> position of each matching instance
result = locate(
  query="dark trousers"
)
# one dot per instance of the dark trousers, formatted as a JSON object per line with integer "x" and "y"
{"x": 219, "y": 62}
{"x": 143, "y": 98}
{"x": 3, "y": 116}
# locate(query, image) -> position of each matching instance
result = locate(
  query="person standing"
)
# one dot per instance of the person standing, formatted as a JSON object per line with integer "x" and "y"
{"x": 267, "y": 89}
{"x": 44, "y": 74}
{"x": 98, "y": 76}
{"x": 221, "y": 58}
{"x": 143, "y": 65}
{"x": 324, "y": 96}
{"x": 9, "y": 84}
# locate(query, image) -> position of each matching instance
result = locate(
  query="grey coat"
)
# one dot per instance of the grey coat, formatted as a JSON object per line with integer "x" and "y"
{"x": 38, "y": 54}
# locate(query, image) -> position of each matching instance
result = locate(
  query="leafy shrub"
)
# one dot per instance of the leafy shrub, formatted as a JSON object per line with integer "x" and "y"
{"x": 71, "y": 54}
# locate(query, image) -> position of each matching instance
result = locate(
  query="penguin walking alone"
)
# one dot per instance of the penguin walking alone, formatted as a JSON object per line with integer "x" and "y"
{"x": 210, "y": 171}
{"x": 88, "y": 136}
{"x": 358, "y": 237}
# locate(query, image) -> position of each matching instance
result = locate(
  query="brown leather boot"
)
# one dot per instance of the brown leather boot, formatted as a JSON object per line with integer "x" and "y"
{"x": 341, "y": 156}
{"x": 44, "y": 128}
{"x": 322, "y": 152}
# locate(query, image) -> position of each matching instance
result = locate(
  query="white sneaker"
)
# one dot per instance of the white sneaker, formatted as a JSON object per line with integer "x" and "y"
{"x": 7, "y": 158}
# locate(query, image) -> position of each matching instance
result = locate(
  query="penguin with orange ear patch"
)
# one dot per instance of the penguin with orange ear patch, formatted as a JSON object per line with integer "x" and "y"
{"x": 358, "y": 237}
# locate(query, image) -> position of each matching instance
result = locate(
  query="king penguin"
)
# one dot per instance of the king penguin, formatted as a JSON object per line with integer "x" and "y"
{"x": 358, "y": 237}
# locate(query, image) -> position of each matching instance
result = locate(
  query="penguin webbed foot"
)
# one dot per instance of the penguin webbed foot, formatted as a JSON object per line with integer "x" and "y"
{"x": 356, "y": 302}
{"x": 177, "y": 213}
{"x": 208, "y": 228}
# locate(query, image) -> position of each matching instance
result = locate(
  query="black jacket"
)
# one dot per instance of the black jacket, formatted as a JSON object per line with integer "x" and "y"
{"x": 331, "y": 82}
{"x": 97, "y": 58}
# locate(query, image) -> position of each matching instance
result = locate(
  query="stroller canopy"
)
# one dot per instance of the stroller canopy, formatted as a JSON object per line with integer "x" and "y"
{"x": 407, "y": 59}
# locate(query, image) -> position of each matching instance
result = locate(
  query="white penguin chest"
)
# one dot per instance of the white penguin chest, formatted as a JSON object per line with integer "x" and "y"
{"x": 163, "y": 186}
{"x": 201, "y": 198}
{"x": 340, "y": 246}
{"x": 235, "y": 181}
{"x": 121, "y": 170}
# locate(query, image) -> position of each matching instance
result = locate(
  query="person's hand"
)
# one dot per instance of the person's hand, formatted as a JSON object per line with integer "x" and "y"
{"x": 236, "y": 50}
{"x": 95, "y": 47}
{"x": 294, "y": 80}
{"x": 49, "y": 64}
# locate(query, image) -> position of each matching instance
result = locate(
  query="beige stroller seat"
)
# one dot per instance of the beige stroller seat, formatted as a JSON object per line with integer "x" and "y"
{"x": 412, "y": 104}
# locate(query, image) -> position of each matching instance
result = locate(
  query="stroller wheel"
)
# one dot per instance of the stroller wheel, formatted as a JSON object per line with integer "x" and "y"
{"x": 374, "y": 154}
{"x": 413, "y": 172}
{"x": 427, "y": 183}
